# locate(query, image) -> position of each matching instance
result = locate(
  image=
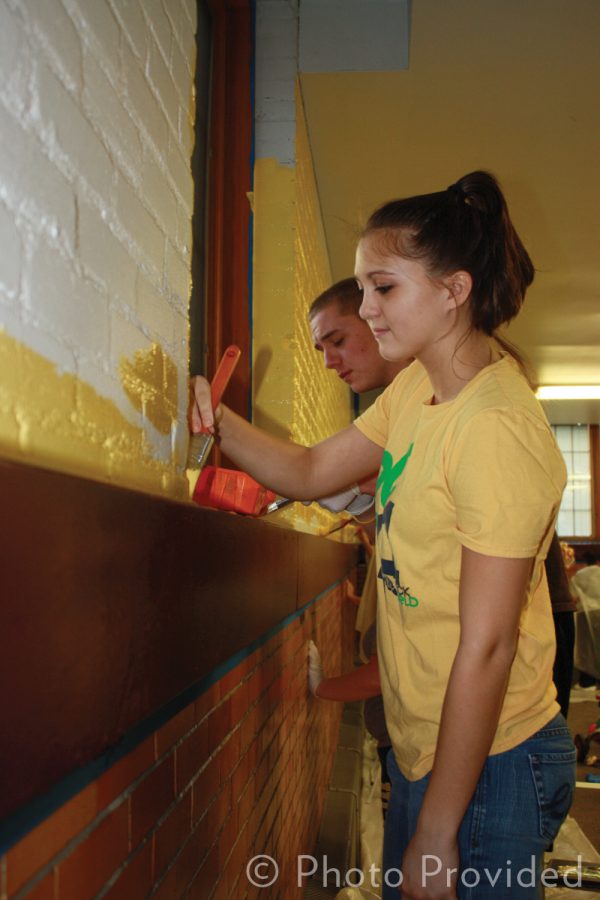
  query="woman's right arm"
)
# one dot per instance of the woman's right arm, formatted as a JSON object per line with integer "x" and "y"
{"x": 301, "y": 473}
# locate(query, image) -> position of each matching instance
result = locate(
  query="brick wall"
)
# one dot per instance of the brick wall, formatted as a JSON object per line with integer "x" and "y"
{"x": 322, "y": 403}
{"x": 239, "y": 772}
{"x": 96, "y": 197}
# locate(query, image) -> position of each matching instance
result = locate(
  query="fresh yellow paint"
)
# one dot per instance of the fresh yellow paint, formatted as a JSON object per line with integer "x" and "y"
{"x": 273, "y": 296}
{"x": 150, "y": 382}
{"x": 58, "y": 421}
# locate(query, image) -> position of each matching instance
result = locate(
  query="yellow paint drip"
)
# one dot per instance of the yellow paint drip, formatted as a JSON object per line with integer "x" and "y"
{"x": 58, "y": 421}
{"x": 150, "y": 382}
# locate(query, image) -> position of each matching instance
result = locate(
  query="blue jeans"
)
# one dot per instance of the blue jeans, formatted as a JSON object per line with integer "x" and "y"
{"x": 520, "y": 802}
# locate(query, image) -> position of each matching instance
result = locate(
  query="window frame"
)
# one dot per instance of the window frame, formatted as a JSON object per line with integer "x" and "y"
{"x": 225, "y": 291}
{"x": 578, "y": 540}
{"x": 595, "y": 466}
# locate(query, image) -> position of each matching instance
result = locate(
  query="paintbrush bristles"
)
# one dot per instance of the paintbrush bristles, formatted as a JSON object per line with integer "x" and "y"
{"x": 199, "y": 447}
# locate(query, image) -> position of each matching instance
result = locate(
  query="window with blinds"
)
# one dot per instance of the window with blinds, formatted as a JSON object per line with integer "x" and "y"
{"x": 575, "y": 515}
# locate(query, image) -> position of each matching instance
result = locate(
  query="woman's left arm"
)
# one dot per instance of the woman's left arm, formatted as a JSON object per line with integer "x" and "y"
{"x": 492, "y": 593}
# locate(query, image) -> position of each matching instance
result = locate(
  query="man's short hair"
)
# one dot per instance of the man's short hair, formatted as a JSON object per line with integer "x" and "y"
{"x": 345, "y": 293}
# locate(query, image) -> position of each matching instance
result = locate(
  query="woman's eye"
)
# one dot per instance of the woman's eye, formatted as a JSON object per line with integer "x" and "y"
{"x": 383, "y": 288}
{"x": 339, "y": 342}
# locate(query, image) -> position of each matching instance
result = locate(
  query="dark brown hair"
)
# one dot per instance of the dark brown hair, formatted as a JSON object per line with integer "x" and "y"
{"x": 467, "y": 227}
{"x": 345, "y": 293}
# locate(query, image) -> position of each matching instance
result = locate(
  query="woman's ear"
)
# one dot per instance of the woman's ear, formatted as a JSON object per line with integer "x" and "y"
{"x": 459, "y": 285}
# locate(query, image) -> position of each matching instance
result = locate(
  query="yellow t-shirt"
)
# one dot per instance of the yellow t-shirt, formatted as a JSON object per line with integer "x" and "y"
{"x": 482, "y": 470}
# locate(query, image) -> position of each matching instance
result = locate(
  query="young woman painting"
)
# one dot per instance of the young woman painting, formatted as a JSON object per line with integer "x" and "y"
{"x": 482, "y": 763}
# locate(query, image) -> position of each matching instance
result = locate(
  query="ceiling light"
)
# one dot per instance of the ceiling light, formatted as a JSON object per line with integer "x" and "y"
{"x": 568, "y": 392}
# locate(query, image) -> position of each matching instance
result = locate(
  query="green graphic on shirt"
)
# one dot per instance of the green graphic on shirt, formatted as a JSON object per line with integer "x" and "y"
{"x": 390, "y": 576}
{"x": 388, "y": 571}
{"x": 390, "y": 473}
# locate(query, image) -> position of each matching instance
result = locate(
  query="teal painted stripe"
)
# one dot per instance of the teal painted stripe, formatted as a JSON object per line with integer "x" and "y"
{"x": 23, "y": 820}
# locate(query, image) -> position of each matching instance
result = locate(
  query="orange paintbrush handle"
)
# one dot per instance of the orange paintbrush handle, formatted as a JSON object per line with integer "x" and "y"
{"x": 229, "y": 361}
{"x": 201, "y": 442}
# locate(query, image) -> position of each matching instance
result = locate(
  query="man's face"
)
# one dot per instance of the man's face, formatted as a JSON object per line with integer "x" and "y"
{"x": 349, "y": 348}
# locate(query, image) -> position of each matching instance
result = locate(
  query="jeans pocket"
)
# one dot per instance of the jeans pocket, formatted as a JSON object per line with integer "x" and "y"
{"x": 554, "y": 780}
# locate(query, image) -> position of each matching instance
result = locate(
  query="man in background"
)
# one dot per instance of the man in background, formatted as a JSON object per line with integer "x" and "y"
{"x": 349, "y": 348}
{"x": 346, "y": 341}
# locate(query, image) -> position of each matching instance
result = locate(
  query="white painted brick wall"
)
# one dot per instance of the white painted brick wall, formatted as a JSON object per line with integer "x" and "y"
{"x": 33, "y": 188}
{"x": 95, "y": 189}
{"x": 104, "y": 107}
{"x": 276, "y": 71}
{"x": 141, "y": 227}
{"x": 134, "y": 30}
{"x": 160, "y": 25}
{"x": 12, "y": 251}
{"x": 53, "y": 31}
{"x": 68, "y": 136}
{"x": 98, "y": 28}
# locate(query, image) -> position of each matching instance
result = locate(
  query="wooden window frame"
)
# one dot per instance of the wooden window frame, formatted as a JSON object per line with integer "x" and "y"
{"x": 230, "y": 172}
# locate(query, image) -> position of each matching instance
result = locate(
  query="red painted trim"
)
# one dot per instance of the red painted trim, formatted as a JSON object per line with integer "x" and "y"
{"x": 230, "y": 179}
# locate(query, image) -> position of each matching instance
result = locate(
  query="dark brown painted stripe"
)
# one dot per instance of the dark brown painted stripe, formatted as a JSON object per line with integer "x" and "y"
{"x": 116, "y": 604}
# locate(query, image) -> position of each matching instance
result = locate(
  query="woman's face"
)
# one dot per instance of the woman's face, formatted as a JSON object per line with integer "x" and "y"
{"x": 407, "y": 311}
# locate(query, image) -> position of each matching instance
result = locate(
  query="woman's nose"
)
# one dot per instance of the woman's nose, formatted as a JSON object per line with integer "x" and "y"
{"x": 368, "y": 309}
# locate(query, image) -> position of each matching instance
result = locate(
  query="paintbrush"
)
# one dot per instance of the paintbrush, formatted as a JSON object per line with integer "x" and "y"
{"x": 278, "y": 504}
{"x": 201, "y": 442}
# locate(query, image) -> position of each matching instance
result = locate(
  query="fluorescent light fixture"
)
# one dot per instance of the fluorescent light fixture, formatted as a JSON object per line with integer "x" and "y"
{"x": 568, "y": 392}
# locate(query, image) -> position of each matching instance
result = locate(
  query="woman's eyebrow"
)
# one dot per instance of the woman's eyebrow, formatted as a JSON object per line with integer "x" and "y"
{"x": 378, "y": 272}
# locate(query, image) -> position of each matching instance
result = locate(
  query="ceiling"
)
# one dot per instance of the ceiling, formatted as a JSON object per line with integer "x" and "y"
{"x": 503, "y": 85}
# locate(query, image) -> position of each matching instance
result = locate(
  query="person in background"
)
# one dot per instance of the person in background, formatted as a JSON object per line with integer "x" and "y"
{"x": 346, "y": 341}
{"x": 350, "y": 350}
{"x": 585, "y": 584}
{"x": 468, "y": 492}
{"x": 563, "y": 614}
{"x": 362, "y": 683}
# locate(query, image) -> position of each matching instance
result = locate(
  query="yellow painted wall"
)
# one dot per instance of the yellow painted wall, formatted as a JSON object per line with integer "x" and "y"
{"x": 56, "y": 420}
{"x": 273, "y": 283}
{"x": 322, "y": 403}
{"x": 294, "y": 395}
